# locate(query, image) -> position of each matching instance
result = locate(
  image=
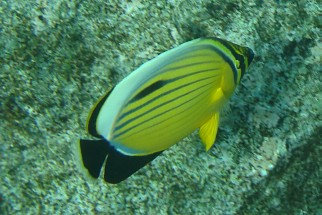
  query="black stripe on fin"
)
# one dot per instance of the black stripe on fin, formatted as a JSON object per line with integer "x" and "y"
{"x": 119, "y": 167}
{"x": 93, "y": 154}
{"x": 91, "y": 122}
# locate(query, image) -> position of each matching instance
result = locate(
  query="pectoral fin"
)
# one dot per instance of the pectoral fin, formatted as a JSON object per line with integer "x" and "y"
{"x": 208, "y": 131}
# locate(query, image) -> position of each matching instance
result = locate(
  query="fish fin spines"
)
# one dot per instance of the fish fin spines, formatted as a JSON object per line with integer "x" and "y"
{"x": 92, "y": 117}
{"x": 119, "y": 167}
{"x": 93, "y": 153}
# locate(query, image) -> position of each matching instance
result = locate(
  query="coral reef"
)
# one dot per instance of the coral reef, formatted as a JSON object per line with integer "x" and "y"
{"x": 58, "y": 57}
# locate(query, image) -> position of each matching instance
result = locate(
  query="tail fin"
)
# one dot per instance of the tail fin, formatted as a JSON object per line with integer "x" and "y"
{"x": 118, "y": 166}
{"x": 93, "y": 154}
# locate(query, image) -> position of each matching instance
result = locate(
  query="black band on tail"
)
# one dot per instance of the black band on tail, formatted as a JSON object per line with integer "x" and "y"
{"x": 94, "y": 153}
{"x": 119, "y": 166}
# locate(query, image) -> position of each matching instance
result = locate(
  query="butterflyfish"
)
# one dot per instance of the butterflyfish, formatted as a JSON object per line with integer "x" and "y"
{"x": 160, "y": 103}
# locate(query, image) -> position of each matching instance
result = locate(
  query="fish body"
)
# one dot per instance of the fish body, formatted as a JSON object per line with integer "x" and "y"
{"x": 160, "y": 103}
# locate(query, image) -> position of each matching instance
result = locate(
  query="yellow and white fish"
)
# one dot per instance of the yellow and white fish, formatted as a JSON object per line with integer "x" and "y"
{"x": 160, "y": 103}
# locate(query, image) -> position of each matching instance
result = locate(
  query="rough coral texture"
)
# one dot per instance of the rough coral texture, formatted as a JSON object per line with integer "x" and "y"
{"x": 58, "y": 57}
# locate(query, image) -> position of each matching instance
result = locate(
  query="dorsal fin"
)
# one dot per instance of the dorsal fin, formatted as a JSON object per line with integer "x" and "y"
{"x": 92, "y": 117}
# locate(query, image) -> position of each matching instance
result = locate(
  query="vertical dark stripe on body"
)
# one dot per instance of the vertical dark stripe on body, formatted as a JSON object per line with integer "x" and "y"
{"x": 239, "y": 57}
{"x": 228, "y": 60}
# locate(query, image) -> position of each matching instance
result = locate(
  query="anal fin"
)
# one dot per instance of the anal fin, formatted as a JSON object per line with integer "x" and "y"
{"x": 119, "y": 167}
